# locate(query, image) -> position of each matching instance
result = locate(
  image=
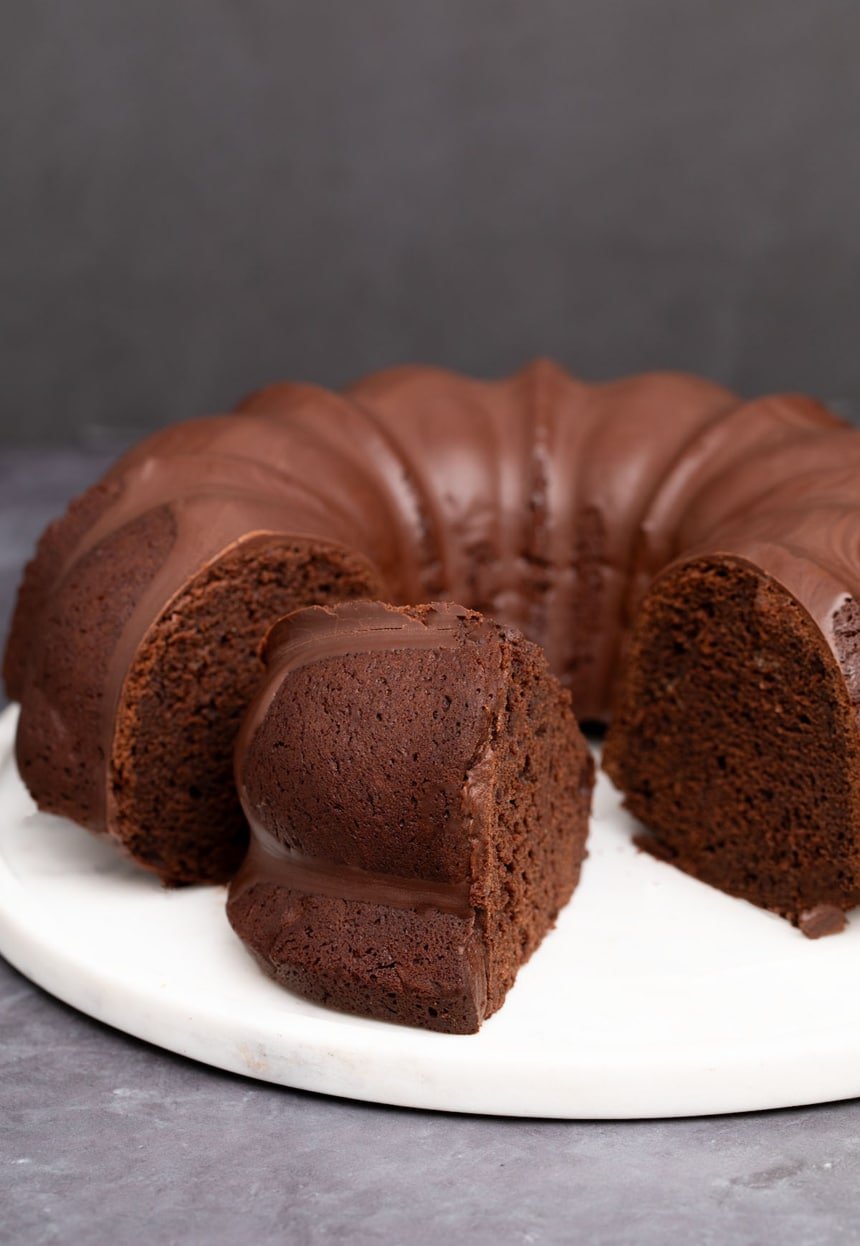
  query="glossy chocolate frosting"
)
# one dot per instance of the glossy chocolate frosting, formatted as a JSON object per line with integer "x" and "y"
{"x": 535, "y": 488}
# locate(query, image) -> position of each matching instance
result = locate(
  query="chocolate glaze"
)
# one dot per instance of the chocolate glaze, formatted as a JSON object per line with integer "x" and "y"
{"x": 535, "y": 487}
{"x": 754, "y": 480}
{"x": 355, "y": 464}
{"x": 611, "y": 445}
{"x": 270, "y": 862}
{"x": 749, "y": 433}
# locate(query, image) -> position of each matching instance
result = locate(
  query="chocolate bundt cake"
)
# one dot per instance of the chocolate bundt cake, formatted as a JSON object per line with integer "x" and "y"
{"x": 547, "y": 504}
{"x": 418, "y": 793}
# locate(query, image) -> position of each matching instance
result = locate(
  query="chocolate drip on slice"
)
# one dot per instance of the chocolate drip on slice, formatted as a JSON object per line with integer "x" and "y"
{"x": 269, "y": 861}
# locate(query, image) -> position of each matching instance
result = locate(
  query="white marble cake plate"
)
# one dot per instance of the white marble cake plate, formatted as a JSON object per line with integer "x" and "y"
{"x": 655, "y": 996}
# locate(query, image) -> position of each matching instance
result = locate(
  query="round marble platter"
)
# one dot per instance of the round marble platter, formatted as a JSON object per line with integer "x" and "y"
{"x": 654, "y": 996}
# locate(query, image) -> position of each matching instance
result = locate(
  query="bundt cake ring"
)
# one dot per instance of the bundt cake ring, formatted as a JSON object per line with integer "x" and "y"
{"x": 682, "y": 563}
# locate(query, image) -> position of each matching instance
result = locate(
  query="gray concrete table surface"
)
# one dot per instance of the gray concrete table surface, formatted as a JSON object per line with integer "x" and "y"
{"x": 105, "y": 1139}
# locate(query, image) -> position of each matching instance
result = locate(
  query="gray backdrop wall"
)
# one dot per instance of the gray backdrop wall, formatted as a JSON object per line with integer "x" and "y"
{"x": 201, "y": 195}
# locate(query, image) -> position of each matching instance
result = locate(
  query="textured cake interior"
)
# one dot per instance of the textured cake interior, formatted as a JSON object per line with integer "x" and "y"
{"x": 418, "y": 764}
{"x": 735, "y": 741}
{"x": 538, "y": 828}
{"x": 173, "y": 799}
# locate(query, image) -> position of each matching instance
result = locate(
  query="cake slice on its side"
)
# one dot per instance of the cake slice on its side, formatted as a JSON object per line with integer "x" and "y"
{"x": 735, "y": 740}
{"x": 418, "y": 792}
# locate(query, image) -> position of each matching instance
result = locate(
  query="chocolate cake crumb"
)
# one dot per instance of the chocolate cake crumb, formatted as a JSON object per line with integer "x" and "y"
{"x": 735, "y": 741}
{"x": 823, "y": 920}
{"x": 654, "y": 848}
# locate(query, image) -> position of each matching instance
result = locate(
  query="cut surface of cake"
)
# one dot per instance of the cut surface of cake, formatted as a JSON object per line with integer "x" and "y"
{"x": 735, "y": 741}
